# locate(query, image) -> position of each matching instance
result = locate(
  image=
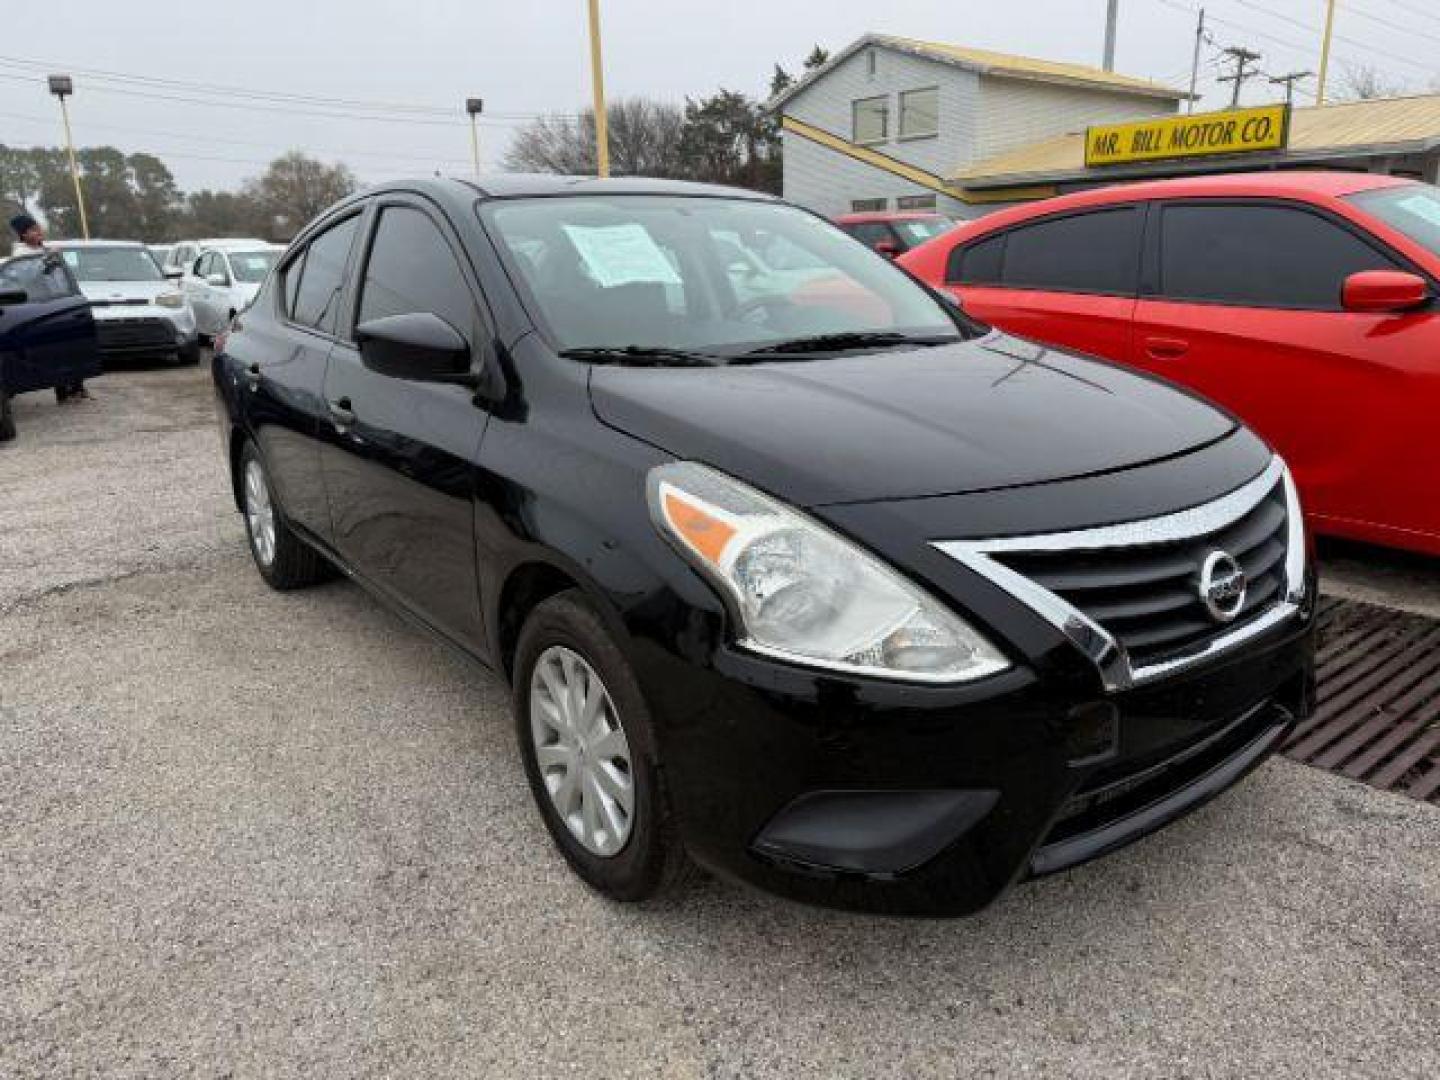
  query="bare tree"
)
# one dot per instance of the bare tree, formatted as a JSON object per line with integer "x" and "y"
{"x": 644, "y": 141}
{"x": 295, "y": 188}
{"x": 1363, "y": 82}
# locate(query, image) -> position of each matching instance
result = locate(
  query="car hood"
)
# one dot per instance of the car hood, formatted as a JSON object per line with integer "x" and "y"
{"x": 992, "y": 413}
{"x": 121, "y": 292}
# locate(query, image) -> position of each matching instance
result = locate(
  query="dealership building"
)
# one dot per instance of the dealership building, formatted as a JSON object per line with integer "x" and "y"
{"x": 892, "y": 123}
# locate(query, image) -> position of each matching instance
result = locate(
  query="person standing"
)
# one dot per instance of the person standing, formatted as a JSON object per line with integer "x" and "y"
{"x": 31, "y": 241}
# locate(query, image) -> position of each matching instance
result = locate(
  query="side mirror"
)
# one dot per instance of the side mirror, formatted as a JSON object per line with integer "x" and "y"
{"x": 1384, "y": 291}
{"x": 420, "y": 346}
{"x": 220, "y": 281}
{"x": 11, "y": 297}
{"x": 888, "y": 248}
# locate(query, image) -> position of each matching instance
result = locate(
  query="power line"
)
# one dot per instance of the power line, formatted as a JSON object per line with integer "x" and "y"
{"x": 1420, "y": 12}
{"x": 1341, "y": 37}
{"x": 284, "y": 111}
{"x": 236, "y": 91}
{"x": 420, "y": 158}
{"x": 1392, "y": 26}
{"x": 1288, "y": 43}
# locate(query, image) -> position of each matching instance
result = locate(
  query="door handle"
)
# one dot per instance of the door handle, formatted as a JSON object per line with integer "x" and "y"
{"x": 342, "y": 412}
{"x": 1159, "y": 348}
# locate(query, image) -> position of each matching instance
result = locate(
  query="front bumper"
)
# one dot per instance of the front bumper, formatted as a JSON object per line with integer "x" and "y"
{"x": 144, "y": 330}
{"x": 931, "y": 801}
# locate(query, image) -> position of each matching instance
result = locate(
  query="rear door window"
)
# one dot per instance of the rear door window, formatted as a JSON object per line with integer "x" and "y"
{"x": 1096, "y": 252}
{"x": 1259, "y": 256}
{"x": 317, "y": 297}
{"x": 978, "y": 263}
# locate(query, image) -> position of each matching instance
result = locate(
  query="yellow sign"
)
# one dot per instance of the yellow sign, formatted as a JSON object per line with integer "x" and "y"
{"x": 1237, "y": 131}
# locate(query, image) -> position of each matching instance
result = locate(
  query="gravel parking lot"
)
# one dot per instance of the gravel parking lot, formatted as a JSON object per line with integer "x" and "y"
{"x": 250, "y": 834}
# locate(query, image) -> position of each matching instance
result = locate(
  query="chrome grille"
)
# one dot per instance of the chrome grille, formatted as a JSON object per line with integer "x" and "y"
{"x": 1130, "y": 596}
{"x": 1148, "y": 596}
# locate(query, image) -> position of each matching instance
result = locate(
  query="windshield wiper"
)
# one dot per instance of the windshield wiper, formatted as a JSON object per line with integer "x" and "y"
{"x": 641, "y": 356}
{"x": 856, "y": 339}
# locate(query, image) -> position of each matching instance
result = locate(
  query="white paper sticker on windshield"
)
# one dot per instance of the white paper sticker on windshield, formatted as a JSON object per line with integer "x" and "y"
{"x": 621, "y": 255}
{"x": 1422, "y": 206}
{"x": 252, "y": 262}
{"x": 72, "y": 258}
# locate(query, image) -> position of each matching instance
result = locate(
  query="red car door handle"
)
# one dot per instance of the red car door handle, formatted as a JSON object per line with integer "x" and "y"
{"x": 1162, "y": 348}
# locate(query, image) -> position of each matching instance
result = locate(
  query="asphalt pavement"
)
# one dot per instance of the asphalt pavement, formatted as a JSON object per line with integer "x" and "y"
{"x": 251, "y": 834}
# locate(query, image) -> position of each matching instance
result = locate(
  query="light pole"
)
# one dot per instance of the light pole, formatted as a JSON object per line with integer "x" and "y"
{"x": 474, "y": 106}
{"x": 597, "y": 78}
{"x": 62, "y": 87}
{"x": 1325, "y": 51}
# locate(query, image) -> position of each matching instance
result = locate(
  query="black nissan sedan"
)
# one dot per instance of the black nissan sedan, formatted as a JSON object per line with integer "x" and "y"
{"x": 795, "y": 571}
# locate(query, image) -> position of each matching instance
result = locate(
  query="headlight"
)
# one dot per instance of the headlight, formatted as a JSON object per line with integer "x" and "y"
{"x": 170, "y": 299}
{"x": 803, "y": 593}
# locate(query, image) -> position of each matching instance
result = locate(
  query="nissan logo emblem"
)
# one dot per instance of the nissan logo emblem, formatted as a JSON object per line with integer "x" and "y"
{"x": 1222, "y": 586}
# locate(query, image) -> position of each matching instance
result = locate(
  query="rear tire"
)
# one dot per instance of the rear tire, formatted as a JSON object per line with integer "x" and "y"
{"x": 608, "y": 755}
{"x": 283, "y": 559}
{"x": 7, "y": 416}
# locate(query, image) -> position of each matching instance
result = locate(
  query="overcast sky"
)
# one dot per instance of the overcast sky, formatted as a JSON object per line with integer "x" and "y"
{"x": 530, "y": 57}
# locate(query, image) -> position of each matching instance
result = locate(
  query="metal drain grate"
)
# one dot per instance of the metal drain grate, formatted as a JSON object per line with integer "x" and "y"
{"x": 1377, "y": 718}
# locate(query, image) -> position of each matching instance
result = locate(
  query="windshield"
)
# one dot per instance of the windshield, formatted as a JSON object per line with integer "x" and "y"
{"x": 700, "y": 274}
{"x": 1413, "y": 210}
{"x": 111, "y": 264}
{"x": 915, "y": 231}
{"x": 252, "y": 266}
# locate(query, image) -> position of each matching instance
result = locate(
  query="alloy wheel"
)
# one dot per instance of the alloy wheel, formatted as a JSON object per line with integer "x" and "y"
{"x": 581, "y": 751}
{"x": 259, "y": 513}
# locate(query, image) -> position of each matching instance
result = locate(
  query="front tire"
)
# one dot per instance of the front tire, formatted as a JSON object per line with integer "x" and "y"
{"x": 588, "y": 744}
{"x": 283, "y": 559}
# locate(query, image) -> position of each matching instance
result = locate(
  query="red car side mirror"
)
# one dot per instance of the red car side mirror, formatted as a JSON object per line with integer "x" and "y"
{"x": 1381, "y": 291}
{"x": 888, "y": 248}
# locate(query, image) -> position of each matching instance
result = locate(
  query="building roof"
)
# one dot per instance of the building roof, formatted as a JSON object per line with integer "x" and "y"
{"x": 1398, "y": 125}
{"x": 987, "y": 62}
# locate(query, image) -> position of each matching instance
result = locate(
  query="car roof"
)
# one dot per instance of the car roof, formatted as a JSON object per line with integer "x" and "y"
{"x": 70, "y": 244}
{"x": 227, "y": 241}
{"x": 1305, "y": 185}
{"x": 886, "y": 215}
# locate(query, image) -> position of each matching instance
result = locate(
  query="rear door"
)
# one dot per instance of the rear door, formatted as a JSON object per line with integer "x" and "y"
{"x": 283, "y": 353}
{"x": 1069, "y": 280}
{"x": 198, "y": 290}
{"x": 399, "y": 456}
{"x": 1243, "y": 305}
{"x": 50, "y": 339}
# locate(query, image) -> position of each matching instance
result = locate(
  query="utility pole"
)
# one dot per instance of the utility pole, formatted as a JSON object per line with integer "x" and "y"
{"x": 597, "y": 78}
{"x": 1112, "y": 15}
{"x": 1289, "y": 81}
{"x": 1243, "y": 58}
{"x": 62, "y": 87}
{"x": 1195, "y": 59}
{"x": 474, "y": 106}
{"x": 1325, "y": 50}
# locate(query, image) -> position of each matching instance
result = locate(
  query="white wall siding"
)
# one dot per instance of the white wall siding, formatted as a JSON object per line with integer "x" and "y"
{"x": 1020, "y": 111}
{"x": 828, "y": 182}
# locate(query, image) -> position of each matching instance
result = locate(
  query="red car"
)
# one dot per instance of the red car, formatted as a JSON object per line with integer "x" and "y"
{"x": 894, "y": 232}
{"x": 1302, "y": 302}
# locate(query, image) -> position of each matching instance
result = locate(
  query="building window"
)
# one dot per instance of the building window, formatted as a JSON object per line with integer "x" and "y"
{"x": 871, "y": 120}
{"x": 862, "y": 206}
{"x": 870, "y": 62}
{"x": 920, "y": 113}
{"x": 915, "y": 202}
